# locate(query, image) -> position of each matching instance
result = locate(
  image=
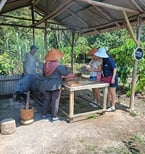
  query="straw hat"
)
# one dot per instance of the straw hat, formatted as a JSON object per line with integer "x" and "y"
{"x": 101, "y": 53}
{"x": 92, "y": 52}
{"x": 53, "y": 55}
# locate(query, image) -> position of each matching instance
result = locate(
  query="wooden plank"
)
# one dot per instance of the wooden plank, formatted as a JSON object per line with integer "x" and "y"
{"x": 83, "y": 87}
{"x": 64, "y": 112}
{"x": 89, "y": 113}
{"x": 110, "y": 6}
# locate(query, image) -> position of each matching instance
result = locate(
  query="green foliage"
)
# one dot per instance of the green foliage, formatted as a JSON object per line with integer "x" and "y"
{"x": 108, "y": 39}
{"x": 6, "y": 65}
{"x": 141, "y": 76}
{"x": 133, "y": 113}
{"x": 124, "y": 59}
{"x": 119, "y": 150}
{"x": 15, "y": 41}
{"x": 139, "y": 138}
{"x": 123, "y": 56}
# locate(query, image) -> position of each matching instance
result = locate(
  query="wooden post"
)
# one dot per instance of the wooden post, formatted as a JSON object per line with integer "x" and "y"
{"x": 27, "y": 100}
{"x": 72, "y": 51}
{"x": 2, "y": 3}
{"x": 45, "y": 37}
{"x": 71, "y": 104}
{"x": 105, "y": 97}
{"x": 33, "y": 22}
{"x": 134, "y": 74}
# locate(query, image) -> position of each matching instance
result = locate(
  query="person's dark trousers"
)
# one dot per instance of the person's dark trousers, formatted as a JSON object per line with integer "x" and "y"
{"x": 51, "y": 103}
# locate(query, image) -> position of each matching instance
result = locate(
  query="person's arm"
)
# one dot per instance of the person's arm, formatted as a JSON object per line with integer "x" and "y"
{"x": 24, "y": 64}
{"x": 112, "y": 64}
{"x": 99, "y": 69}
{"x": 38, "y": 61}
{"x": 114, "y": 74}
{"x": 63, "y": 70}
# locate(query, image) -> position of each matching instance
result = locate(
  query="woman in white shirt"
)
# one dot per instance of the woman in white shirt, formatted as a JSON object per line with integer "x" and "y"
{"x": 95, "y": 73}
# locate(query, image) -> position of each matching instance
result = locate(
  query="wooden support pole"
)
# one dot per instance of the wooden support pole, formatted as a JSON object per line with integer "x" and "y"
{"x": 134, "y": 74}
{"x": 105, "y": 97}
{"x": 2, "y": 3}
{"x": 45, "y": 37}
{"x": 130, "y": 28}
{"x": 71, "y": 104}
{"x": 68, "y": 39}
{"x": 72, "y": 51}
{"x": 33, "y": 29}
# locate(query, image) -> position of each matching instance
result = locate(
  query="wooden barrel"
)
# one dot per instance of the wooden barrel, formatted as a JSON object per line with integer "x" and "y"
{"x": 26, "y": 114}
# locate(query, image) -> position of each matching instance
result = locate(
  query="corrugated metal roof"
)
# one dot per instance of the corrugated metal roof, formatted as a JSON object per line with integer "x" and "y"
{"x": 84, "y": 16}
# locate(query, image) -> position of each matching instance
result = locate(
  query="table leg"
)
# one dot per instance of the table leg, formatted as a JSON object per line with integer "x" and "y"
{"x": 71, "y": 104}
{"x": 105, "y": 97}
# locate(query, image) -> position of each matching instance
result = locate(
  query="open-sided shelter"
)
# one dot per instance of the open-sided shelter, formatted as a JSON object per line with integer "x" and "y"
{"x": 84, "y": 17}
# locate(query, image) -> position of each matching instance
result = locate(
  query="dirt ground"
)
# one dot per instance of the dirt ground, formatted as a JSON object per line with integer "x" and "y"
{"x": 118, "y": 132}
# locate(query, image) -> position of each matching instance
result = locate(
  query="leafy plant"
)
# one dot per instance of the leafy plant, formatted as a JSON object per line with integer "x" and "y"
{"x": 6, "y": 64}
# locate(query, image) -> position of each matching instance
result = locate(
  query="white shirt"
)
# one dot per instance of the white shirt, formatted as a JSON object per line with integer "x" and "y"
{"x": 95, "y": 64}
{"x": 30, "y": 63}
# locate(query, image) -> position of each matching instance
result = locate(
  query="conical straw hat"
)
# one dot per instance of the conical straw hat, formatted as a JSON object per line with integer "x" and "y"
{"x": 53, "y": 55}
{"x": 92, "y": 52}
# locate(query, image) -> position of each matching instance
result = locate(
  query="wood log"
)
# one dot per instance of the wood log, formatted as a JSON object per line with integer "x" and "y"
{"x": 8, "y": 126}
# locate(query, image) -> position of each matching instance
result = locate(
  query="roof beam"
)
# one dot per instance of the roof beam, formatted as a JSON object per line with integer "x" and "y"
{"x": 110, "y": 6}
{"x": 77, "y": 16}
{"x": 17, "y": 25}
{"x": 137, "y": 6}
{"x": 130, "y": 28}
{"x": 57, "y": 11}
{"x": 106, "y": 15}
{"x": 2, "y": 3}
{"x": 103, "y": 13}
{"x": 29, "y": 26}
{"x": 75, "y": 13}
{"x": 35, "y": 2}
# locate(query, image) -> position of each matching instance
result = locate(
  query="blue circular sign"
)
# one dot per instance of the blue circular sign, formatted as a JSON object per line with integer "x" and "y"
{"x": 138, "y": 54}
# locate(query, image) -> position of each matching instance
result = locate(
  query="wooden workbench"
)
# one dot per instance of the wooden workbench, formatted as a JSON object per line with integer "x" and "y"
{"x": 84, "y": 85}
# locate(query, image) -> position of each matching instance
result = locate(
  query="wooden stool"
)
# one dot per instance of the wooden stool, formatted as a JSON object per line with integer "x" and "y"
{"x": 8, "y": 126}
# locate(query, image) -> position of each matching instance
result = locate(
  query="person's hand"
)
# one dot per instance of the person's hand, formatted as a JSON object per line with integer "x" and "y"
{"x": 68, "y": 66}
{"x": 90, "y": 69}
{"x": 112, "y": 81}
